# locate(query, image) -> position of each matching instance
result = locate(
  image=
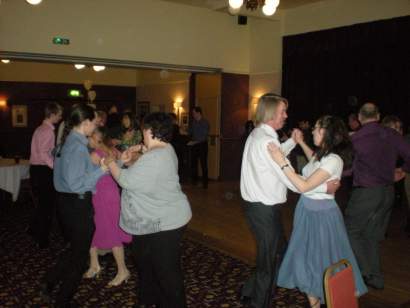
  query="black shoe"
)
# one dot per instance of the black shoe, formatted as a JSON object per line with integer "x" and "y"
{"x": 245, "y": 300}
{"x": 30, "y": 231}
{"x": 45, "y": 292}
{"x": 373, "y": 284}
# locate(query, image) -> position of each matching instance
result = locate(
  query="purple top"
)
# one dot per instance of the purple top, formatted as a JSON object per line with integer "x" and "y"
{"x": 377, "y": 149}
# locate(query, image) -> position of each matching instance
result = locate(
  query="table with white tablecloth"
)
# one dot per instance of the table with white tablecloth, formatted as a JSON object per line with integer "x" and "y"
{"x": 11, "y": 174}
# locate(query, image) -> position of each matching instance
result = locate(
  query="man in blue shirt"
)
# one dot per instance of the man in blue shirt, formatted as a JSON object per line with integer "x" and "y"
{"x": 198, "y": 131}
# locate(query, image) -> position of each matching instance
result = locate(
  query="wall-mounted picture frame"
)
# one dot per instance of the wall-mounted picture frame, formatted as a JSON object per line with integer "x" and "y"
{"x": 183, "y": 119}
{"x": 19, "y": 115}
{"x": 143, "y": 108}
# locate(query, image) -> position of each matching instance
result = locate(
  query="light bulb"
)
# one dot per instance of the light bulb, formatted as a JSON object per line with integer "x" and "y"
{"x": 98, "y": 68}
{"x": 268, "y": 10}
{"x": 235, "y": 4}
{"x": 79, "y": 66}
{"x": 5, "y": 61}
{"x": 34, "y": 2}
{"x": 274, "y": 3}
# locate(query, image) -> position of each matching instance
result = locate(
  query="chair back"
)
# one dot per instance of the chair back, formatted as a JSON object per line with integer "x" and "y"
{"x": 340, "y": 286}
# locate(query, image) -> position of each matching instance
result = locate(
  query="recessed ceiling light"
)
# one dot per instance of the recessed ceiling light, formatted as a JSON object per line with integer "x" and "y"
{"x": 5, "y": 61}
{"x": 98, "y": 68}
{"x": 34, "y": 2}
{"x": 79, "y": 66}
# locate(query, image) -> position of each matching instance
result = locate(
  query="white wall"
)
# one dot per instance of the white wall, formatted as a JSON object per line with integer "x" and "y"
{"x": 336, "y": 13}
{"x": 265, "y": 59}
{"x": 143, "y": 30}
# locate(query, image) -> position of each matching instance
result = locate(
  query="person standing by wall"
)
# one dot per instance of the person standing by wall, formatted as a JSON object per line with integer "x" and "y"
{"x": 199, "y": 131}
{"x": 41, "y": 174}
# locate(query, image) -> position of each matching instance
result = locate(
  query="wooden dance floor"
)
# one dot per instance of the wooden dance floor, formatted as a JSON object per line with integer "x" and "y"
{"x": 218, "y": 221}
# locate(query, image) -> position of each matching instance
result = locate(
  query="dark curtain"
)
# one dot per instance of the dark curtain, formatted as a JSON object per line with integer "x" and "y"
{"x": 335, "y": 71}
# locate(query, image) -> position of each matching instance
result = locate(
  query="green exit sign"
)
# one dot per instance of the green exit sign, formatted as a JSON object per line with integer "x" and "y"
{"x": 74, "y": 93}
{"x": 60, "y": 40}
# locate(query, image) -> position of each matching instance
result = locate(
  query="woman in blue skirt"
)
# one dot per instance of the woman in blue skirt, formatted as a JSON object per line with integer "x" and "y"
{"x": 319, "y": 237}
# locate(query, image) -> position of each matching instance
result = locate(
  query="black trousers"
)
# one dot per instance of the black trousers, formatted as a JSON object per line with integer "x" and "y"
{"x": 199, "y": 152}
{"x": 266, "y": 225}
{"x": 41, "y": 178}
{"x": 77, "y": 219}
{"x": 366, "y": 217}
{"x": 158, "y": 262}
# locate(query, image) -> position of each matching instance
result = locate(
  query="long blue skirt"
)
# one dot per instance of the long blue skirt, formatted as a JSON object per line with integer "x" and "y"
{"x": 319, "y": 239}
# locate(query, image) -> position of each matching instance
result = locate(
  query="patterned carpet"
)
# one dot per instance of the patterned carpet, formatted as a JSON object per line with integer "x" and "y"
{"x": 212, "y": 279}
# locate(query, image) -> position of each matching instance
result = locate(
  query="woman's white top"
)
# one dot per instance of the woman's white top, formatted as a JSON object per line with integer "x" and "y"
{"x": 332, "y": 164}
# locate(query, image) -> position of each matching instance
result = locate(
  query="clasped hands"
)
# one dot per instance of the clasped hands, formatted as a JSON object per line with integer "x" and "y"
{"x": 275, "y": 151}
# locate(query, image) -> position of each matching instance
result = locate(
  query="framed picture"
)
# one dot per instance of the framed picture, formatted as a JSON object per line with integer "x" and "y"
{"x": 183, "y": 119}
{"x": 143, "y": 108}
{"x": 19, "y": 116}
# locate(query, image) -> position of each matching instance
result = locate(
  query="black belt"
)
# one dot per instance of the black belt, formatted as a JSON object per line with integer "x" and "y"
{"x": 81, "y": 196}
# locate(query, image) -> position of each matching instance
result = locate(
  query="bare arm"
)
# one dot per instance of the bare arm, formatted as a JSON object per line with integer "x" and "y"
{"x": 298, "y": 137}
{"x": 319, "y": 177}
{"x": 306, "y": 149}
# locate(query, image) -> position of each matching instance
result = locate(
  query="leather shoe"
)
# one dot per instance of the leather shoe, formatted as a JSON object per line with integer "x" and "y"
{"x": 245, "y": 300}
{"x": 373, "y": 284}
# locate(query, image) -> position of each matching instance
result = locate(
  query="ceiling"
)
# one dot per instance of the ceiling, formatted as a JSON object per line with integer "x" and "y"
{"x": 223, "y": 4}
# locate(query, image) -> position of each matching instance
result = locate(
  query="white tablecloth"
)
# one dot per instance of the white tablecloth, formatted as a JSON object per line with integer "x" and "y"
{"x": 11, "y": 175}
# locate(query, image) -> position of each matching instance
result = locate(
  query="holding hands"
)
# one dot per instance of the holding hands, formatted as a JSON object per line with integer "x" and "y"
{"x": 297, "y": 135}
{"x": 104, "y": 162}
{"x": 132, "y": 153}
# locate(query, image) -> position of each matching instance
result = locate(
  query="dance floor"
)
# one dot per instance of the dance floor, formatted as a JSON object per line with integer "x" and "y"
{"x": 212, "y": 278}
{"x": 218, "y": 255}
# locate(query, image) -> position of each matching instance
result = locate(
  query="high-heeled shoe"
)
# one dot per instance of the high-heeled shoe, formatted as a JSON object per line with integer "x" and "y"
{"x": 91, "y": 273}
{"x": 114, "y": 283}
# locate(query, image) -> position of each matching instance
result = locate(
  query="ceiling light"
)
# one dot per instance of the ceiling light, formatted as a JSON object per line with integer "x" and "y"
{"x": 268, "y": 6}
{"x": 98, "y": 68}
{"x": 79, "y": 66}
{"x": 268, "y": 10}
{"x": 5, "y": 61}
{"x": 34, "y": 2}
{"x": 274, "y": 3}
{"x": 235, "y": 4}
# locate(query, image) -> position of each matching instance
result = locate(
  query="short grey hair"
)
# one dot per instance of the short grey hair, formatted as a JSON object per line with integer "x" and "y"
{"x": 267, "y": 106}
{"x": 369, "y": 111}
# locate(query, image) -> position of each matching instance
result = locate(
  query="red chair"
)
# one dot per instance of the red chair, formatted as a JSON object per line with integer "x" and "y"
{"x": 339, "y": 286}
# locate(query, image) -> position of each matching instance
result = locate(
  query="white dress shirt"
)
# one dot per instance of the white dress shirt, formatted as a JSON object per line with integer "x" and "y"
{"x": 262, "y": 180}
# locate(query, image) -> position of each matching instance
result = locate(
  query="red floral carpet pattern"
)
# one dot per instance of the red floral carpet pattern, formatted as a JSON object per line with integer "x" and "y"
{"x": 212, "y": 279}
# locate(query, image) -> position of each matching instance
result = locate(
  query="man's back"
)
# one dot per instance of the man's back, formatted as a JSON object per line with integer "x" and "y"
{"x": 377, "y": 149}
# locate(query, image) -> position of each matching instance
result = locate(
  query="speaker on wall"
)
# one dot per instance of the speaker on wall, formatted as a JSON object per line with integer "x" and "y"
{"x": 242, "y": 20}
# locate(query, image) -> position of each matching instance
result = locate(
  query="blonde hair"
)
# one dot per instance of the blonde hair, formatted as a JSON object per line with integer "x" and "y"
{"x": 267, "y": 105}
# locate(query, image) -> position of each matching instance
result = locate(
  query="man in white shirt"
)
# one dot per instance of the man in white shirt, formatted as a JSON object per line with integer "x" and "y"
{"x": 263, "y": 189}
